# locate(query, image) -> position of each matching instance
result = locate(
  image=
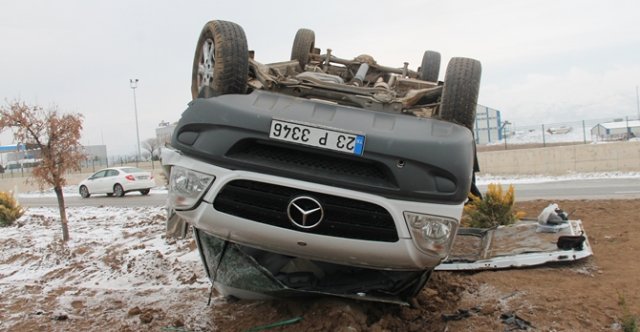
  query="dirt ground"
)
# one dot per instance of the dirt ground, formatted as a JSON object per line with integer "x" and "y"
{"x": 591, "y": 295}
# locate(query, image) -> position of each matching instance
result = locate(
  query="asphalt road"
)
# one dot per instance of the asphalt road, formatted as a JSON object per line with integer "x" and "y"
{"x": 129, "y": 200}
{"x": 576, "y": 189}
{"x": 570, "y": 189}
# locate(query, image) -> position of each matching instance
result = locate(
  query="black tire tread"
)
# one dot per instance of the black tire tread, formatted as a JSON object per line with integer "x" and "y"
{"x": 231, "y": 67}
{"x": 430, "y": 68}
{"x": 303, "y": 44}
{"x": 460, "y": 92}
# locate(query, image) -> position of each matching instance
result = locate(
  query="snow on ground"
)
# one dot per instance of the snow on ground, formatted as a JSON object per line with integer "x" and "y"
{"x": 109, "y": 247}
{"x": 534, "y": 135}
{"x": 484, "y": 179}
{"x": 112, "y": 252}
{"x": 73, "y": 191}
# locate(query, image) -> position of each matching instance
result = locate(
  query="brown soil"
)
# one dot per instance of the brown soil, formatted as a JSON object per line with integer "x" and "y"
{"x": 590, "y": 295}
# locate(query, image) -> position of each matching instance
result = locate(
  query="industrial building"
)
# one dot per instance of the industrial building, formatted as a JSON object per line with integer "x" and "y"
{"x": 17, "y": 157}
{"x": 621, "y": 129}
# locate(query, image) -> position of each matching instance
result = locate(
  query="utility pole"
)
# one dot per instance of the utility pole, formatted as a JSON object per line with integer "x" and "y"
{"x": 503, "y": 129}
{"x": 638, "y": 102}
{"x": 134, "y": 84}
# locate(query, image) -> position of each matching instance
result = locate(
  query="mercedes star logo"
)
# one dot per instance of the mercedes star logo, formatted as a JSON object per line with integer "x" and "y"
{"x": 305, "y": 212}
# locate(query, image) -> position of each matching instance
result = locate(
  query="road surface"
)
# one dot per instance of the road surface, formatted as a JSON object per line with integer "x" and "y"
{"x": 568, "y": 189}
{"x": 576, "y": 189}
{"x": 130, "y": 200}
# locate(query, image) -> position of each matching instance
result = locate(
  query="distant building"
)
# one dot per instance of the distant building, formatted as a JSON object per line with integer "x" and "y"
{"x": 164, "y": 132}
{"x": 488, "y": 125}
{"x": 15, "y": 157}
{"x": 96, "y": 154}
{"x": 617, "y": 130}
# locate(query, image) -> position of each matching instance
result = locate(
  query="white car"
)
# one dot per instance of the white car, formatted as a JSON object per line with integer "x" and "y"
{"x": 117, "y": 181}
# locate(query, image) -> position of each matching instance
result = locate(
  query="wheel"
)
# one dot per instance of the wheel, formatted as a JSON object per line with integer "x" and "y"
{"x": 84, "y": 192}
{"x": 460, "y": 91}
{"x": 117, "y": 190}
{"x": 430, "y": 68}
{"x": 303, "y": 44}
{"x": 221, "y": 61}
{"x": 145, "y": 191}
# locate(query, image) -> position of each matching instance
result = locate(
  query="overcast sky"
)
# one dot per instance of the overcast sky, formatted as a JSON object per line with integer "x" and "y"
{"x": 543, "y": 61}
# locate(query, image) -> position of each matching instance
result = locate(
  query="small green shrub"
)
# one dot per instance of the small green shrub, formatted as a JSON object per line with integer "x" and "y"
{"x": 629, "y": 322}
{"x": 10, "y": 211}
{"x": 494, "y": 209}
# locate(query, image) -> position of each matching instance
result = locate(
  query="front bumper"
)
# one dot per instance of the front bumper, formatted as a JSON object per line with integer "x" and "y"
{"x": 391, "y": 253}
{"x": 404, "y": 157}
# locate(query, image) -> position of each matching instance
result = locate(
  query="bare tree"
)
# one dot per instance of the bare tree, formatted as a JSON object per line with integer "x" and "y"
{"x": 57, "y": 136}
{"x": 152, "y": 145}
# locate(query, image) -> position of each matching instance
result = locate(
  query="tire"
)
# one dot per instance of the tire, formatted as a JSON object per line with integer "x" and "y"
{"x": 460, "y": 92}
{"x": 221, "y": 61}
{"x": 430, "y": 68}
{"x": 84, "y": 192}
{"x": 145, "y": 192}
{"x": 303, "y": 44}
{"x": 117, "y": 190}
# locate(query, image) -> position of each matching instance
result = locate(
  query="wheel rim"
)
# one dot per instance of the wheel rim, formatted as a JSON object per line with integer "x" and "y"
{"x": 83, "y": 191}
{"x": 118, "y": 191}
{"x": 207, "y": 61}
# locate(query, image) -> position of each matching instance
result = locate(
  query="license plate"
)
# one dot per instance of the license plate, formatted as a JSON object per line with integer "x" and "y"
{"x": 143, "y": 177}
{"x": 318, "y": 137}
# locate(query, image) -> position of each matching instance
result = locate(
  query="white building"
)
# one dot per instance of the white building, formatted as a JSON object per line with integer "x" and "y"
{"x": 617, "y": 130}
{"x": 16, "y": 157}
{"x": 164, "y": 132}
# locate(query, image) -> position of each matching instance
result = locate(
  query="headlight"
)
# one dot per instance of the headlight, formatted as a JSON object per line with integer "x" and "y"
{"x": 431, "y": 234}
{"x": 186, "y": 187}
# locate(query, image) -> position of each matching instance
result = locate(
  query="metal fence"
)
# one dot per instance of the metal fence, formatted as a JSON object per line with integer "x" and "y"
{"x": 574, "y": 132}
{"x": 87, "y": 166}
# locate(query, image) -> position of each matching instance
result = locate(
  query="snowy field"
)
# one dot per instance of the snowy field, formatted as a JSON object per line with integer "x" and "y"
{"x": 117, "y": 260}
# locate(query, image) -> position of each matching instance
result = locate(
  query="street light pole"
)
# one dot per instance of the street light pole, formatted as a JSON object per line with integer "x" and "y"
{"x": 638, "y": 102}
{"x": 503, "y": 129}
{"x": 134, "y": 84}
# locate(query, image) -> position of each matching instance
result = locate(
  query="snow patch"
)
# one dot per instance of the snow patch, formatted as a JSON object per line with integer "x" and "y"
{"x": 109, "y": 248}
{"x": 485, "y": 179}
